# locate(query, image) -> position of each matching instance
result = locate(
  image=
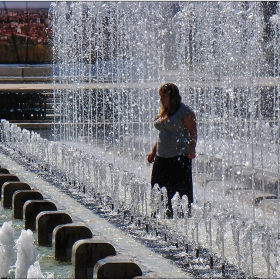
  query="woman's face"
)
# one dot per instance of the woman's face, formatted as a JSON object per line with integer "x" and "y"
{"x": 164, "y": 99}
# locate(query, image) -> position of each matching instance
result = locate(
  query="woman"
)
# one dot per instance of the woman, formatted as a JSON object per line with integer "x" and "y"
{"x": 174, "y": 149}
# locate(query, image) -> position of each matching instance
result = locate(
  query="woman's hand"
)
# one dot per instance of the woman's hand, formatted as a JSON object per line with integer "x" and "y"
{"x": 151, "y": 157}
{"x": 190, "y": 122}
{"x": 191, "y": 154}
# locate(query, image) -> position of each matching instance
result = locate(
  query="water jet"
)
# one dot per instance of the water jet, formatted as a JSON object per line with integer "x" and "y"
{"x": 106, "y": 81}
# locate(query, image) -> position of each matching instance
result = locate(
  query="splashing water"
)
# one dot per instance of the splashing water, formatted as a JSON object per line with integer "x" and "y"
{"x": 7, "y": 252}
{"x": 34, "y": 272}
{"x": 114, "y": 58}
{"x": 27, "y": 254}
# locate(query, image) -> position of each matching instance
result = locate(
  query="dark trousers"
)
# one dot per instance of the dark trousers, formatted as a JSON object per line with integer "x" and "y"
{"x": 175, "y": 174}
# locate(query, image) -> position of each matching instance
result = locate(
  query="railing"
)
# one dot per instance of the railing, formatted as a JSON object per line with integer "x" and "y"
{"x": 22, "y": 106}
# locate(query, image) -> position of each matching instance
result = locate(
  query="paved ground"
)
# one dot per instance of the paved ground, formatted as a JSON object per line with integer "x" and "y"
{"x": 151, "y": 263}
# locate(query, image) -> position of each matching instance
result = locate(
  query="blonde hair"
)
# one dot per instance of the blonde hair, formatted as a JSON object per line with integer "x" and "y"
{"x": 174, "y": 97}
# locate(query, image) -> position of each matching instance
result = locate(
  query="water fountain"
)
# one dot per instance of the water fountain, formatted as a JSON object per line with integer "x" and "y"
{"x": 19, "y": 254}
{"x": 106, "y": 74}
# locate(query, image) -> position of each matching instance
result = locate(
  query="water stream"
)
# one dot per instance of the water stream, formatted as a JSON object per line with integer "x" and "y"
{"x": 109, "y": 60}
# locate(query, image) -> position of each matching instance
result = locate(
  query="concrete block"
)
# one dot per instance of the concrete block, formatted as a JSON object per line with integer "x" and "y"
{"x": 32, "y": 208}
{"x": 263, "y": 196}
{"x": 7, "y": 178}
{"x": 46, "y": 221}
{"x": 241, "y": 174}
{"x": 266, "y": 181}
{"x": 37, "y": 71}
{"x": 4, "y": 170}
{"x": 259, "y": 180}
{"x": 215, "y": 167}
{"x": 64, "y": 237}
{"x": 210, "y": 164}
{"x": 86, "y": 253}
{"x": 20, "y": 197}
{"x": 147, "y": 276}
{"x": 116, "y": 267}
{"x": 11, "y": 71}
{"x": 8, "y": 190}
{"x": 201, "y": 163}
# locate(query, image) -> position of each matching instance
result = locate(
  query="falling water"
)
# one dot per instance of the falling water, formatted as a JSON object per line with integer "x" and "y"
{"x": 116, "y": 56}
{"x": 109, "y": 60}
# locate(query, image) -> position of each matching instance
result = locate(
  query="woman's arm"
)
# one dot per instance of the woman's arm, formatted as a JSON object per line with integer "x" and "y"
{"x": 190, "y": 122}
{"x": 152, "y": 154}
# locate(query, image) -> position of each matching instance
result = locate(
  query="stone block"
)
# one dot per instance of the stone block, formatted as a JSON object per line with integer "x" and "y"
{"x": 8, "y": 190}
{"x": 241, "y": 175}
{"x": 11, "y": 71}
{"x": 37, "y": 71}
{"x": 215, "y": 167}
{"x": 260, "y": 196}
{"x": 7, "y": 178}
{"x": 20, "y": 197}
{"x": 64, "y": 237}
{"x": 266, "y": 181}
{"x": 46, "y": 221}
{"x": 201, "y": 163}
{"x": 4, "y": 170}
{"x": 32, "y": 208}
{"x": 116, "y": 267}
{"x": 210, "y": 164}
{"x": 86, "y": 253}
{"x": 147, "y": 276}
